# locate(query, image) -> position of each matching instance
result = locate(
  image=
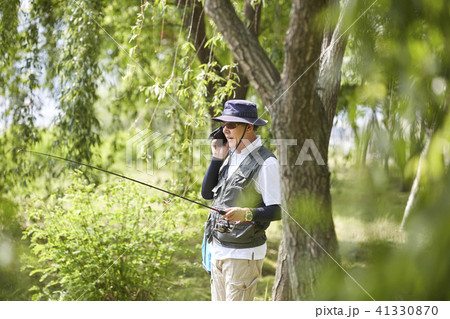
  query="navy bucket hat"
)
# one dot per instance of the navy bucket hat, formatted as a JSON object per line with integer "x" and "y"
{"x": 240, "y": 111}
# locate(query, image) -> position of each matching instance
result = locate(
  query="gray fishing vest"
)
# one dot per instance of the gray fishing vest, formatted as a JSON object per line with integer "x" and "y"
{"x": 239, "y": 191}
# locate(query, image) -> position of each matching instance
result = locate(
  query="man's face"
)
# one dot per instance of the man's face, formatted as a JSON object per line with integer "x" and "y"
{"x": 233, "y": 132}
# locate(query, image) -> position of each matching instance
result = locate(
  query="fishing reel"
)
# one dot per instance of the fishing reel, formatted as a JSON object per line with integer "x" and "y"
{"x": 224, "y": 226}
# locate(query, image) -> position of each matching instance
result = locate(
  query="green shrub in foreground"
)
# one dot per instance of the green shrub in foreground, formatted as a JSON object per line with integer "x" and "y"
{"x": 100, "y": 244}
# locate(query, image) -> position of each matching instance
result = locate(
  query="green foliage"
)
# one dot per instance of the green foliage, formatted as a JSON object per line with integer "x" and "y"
{"x": 77, "y": 70}
{"x": 101, "y": 244}
{"x": 14, "y": 284}
{"x": 116, "y": 68}
{"x": 395, "y": 75}
{"x": 414, "y": 267}
{"x": 18, "y": 85}
{"x": 387, "y": 263}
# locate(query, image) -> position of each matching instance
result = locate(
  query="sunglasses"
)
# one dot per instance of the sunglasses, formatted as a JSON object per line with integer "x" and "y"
{"x": 230, "y": 126}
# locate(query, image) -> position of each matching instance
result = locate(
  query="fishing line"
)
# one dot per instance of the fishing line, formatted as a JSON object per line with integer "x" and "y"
{"x": 125, "y": 177}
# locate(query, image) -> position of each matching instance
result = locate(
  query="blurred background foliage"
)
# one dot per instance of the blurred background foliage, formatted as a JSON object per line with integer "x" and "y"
{"x": 93, "y": 80}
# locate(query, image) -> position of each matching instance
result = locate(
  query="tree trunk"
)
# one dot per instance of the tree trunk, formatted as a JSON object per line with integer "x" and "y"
{"x": 298, "y": 112}
{"x": 308, "y": 229}
{"x": 415, "y": 187}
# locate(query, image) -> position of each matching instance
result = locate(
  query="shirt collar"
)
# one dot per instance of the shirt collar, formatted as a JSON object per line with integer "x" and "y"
{"x": 249, "y": 148}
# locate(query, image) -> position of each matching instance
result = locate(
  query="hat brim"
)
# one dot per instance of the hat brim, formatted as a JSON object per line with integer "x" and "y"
{"x": 230, "y": 118}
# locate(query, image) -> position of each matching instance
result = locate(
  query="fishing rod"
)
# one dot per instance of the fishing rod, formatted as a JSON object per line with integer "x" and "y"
{"x": 125, "y": 177}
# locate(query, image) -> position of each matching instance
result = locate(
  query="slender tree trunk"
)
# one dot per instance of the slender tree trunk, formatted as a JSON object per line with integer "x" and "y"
{"x": 415, "y": 187}
{"x": 253, "y": 18}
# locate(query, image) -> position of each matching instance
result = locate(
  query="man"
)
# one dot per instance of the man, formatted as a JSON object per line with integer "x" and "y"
{"x": 242, "y": 180}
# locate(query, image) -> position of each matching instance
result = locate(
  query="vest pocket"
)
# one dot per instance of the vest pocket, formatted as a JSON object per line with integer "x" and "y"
{"x": 240, "y": 179}
{"x": 234, "y": 192}
{"x": 243, "y": 234}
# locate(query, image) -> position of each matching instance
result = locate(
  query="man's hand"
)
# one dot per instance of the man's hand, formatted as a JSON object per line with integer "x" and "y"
{"x": 235, "y": 214}
{"x": 219, "y": 151}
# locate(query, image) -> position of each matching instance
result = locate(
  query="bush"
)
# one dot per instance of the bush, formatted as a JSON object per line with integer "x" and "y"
{"x": 101, "y": 244}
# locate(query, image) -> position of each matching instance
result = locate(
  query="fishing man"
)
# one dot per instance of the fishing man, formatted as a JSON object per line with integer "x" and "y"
{"x": 243, "y": 180}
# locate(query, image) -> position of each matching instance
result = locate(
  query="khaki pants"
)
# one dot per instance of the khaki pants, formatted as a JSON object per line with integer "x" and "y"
{"x": 234, "y": 279}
